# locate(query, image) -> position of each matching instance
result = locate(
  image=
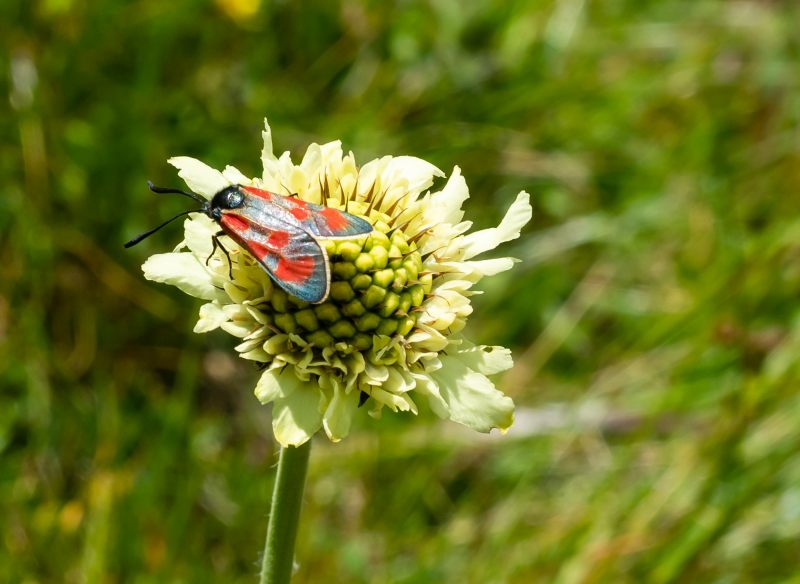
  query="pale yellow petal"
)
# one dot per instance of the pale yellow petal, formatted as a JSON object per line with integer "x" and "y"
{"x": 472, "y": 398}
{"x": 296, "y": 417}
{"x": 515, "y": 219}
{"x": 199, "y": 177}
{"x": 211, "y": 318}
{"x": 485, "y": 359}
{"x": 184, "y": 271}
{"x": 339, "y": 413}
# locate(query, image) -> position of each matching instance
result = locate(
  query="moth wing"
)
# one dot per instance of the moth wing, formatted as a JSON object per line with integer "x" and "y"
{"x": 332, "y": 223}
{"x": 318, "y": 220}
{"x": 292, "y": 257}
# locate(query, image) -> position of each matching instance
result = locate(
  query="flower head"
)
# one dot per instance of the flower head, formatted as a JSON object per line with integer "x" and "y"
{"x": 389, "y": 334}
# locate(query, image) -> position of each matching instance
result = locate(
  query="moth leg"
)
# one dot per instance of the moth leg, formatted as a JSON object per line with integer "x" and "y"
{"x": 216, "y": 243}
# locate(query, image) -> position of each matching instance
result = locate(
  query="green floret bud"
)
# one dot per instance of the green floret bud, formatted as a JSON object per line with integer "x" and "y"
{"x": 348, "y": 250}
{"x": 364, "y": 262}
{"x": 344, "y": 270}
{"x": 405, "y": 325}
{"x": 280, "y": 301}
{"x": 286, "y": 323}
{"x": 380, "y": 256}
{"x": 361, "y": 282}
{"x": 427, "y": 282}
{"x": 389, "y": 304}
{"x": 307, "y": 319}
{"x": 320, "y": 339}
{"x": 327, "y": 312}
{"x": 412, "y": 267}
{"x": 417, "y": 294}
{"x": 373, "y": 296}
{"x": 362, "y": 341}
{"x": 400, "y": 243}
{"x": 341, "y": 291}
{"x": 387, "y": 327}
{"x": 379, "y": 239}
{"x": 383, "y": 278}
{"x": 353, "y": 308}
{"x": 343, "y": 329}
{"x": 400, "y": 278}
{"x": 330, "y": 246}
{"x": 405, "y": 303}
{"x": 368, "y": 322}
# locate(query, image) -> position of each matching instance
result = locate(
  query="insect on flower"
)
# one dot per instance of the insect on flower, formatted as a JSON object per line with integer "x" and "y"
{"x": 282, "y": 233}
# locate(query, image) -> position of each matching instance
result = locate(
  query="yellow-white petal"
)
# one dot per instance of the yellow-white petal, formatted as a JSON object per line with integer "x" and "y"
{"x": 472, "y": 398}
{"x": 266, "y": 152}
{"x": 197, "y": 234}
{"x": 515, "y": 219}
{"x": 429, "y": 388}
{"x": 445, "y": 206}
{"x": 273, "y": 385}
{"x": 234, "y": 176}
{"x": 184, "y": 271}
{"x": 488, "y": 360}
{"x": 339, "y": 413}
{"x": 296, "y": 417}
{"x": 211, "y": 318}
{"x": 417, "y": 172}
{"x": 199, "y": 177}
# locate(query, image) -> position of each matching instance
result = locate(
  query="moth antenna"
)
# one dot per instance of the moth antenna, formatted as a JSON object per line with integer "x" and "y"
{"x": 168, "y": 190}
{"x": 140, "y": 237}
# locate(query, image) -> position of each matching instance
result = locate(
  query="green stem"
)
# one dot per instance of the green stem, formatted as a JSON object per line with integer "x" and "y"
{"x": 287, "y": 497}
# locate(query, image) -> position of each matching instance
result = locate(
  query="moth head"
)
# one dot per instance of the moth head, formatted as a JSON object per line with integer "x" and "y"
{"x": 228, "y": 198}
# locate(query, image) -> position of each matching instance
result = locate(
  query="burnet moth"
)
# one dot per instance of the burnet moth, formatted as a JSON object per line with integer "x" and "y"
{"x": 282, "y": 233}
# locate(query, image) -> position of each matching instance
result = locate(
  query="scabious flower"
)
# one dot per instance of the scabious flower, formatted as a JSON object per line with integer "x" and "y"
{"x": 389, "y": 334}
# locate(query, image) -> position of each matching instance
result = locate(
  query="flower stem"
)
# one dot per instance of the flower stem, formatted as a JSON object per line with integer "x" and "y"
{"x": 287, "y": 497}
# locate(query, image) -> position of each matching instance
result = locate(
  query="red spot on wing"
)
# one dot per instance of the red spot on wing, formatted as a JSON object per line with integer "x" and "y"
{"x": 335, "y": 219}
{"x": 278, "y": 239}
{"x": 234, "y": 223}
{"x": 300, "y": 213}
{"x": 296, "y": 270}
{"x": 260, "y": 193}
{"x": 258, "y": 250}
{"x": 276, "y": 242}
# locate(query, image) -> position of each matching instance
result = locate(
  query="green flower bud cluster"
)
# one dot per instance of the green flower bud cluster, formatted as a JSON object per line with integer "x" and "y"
{"x": 376, "y": 283}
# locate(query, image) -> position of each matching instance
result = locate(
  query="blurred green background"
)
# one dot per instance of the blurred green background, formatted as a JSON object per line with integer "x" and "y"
{"x": 655, "y": 318}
